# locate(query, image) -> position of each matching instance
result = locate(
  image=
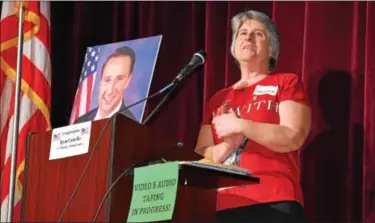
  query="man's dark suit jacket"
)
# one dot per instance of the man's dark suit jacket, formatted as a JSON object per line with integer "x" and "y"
{"x": 89, "y": 116}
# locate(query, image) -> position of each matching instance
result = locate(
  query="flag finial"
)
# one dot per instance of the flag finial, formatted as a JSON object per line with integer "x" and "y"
{"x": 20, "y": 4}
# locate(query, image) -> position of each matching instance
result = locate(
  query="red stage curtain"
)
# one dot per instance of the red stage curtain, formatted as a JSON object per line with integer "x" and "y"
{"x": 329, "y": 44}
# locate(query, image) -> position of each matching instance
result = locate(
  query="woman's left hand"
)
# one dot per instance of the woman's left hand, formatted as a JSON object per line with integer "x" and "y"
{"x": 227, "y": 124}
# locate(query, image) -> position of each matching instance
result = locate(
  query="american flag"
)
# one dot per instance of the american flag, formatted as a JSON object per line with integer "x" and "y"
{"x": 35, "y": 95}
{"x": 82, "y": 99}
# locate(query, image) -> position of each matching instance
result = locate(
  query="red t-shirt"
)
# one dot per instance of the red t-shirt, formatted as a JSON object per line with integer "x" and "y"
{"x": 278, "y": 172}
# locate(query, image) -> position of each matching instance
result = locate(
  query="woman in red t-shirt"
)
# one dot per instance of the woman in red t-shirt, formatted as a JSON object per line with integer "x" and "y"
{"x": 259, "y": 124}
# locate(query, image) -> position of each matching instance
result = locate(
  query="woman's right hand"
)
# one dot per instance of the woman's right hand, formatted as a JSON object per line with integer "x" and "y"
{"x": 234, "y": 141}
{"x": 223, "y": 150}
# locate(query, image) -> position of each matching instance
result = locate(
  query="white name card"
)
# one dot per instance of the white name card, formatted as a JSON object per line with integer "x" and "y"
{"x": 71, "y": 140}
{"x": 261, "y": 90}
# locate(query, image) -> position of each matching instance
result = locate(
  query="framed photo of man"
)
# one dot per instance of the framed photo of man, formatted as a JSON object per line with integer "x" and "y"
{"x": 113, "y": 77}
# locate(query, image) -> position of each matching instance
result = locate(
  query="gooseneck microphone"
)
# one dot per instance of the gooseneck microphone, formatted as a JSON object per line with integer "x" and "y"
{"x": 197, "y": 60}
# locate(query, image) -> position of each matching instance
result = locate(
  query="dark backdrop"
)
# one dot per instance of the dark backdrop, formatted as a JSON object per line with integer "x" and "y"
{"x": 329, "y": 44}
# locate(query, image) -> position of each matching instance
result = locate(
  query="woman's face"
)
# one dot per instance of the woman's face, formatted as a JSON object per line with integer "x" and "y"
{"x": 252, "y": 42}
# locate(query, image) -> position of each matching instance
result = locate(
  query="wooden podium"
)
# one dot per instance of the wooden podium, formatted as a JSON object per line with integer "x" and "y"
{"x": 48, "y": 184}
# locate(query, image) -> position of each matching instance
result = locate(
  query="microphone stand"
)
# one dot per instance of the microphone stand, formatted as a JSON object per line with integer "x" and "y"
{"x": 16, "y": 116}
{"x": 147, "y": 98}
{"x": 173, "y": 87}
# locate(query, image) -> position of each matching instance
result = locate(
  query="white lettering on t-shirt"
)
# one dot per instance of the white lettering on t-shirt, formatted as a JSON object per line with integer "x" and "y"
{"x": 265, "y": 105}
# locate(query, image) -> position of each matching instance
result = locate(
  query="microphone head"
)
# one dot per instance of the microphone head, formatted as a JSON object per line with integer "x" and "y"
{"x": 199, "y": 57}
{"x": 197, "y": 60}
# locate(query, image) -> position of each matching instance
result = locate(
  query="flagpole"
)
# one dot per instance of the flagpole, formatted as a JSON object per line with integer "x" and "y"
{"x": 16, "y": 115}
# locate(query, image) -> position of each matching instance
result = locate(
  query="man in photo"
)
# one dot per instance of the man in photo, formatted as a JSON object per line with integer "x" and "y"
{"x": 115, "y": 77}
